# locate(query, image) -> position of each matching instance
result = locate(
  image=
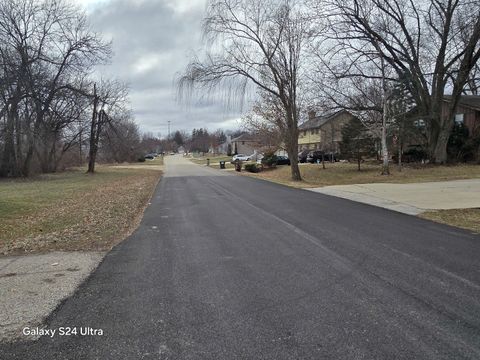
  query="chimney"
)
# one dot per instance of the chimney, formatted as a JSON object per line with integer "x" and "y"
{"x": 311, "y": 114}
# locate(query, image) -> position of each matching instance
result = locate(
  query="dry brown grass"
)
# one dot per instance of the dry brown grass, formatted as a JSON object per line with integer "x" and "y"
{"x": 463, "y": 218}
{"x": 345, "y": 174}
{"x": 74, "y": 210}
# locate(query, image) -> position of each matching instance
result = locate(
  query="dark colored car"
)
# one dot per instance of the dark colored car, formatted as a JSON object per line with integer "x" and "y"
{"x": 413, "y": 154}
{"x": 283, "y": 160}
{"x": 149, "y": 157}
{"x": 302, "y": 156}
{"x": 313, "y": 156}
{"x": 332, "y": 157}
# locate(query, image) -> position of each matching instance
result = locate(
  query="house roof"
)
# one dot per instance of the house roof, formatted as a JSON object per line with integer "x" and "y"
{"x": 245, "y": 137}
{"x": 319, "y": 121}
{"x": 471, "y": 101}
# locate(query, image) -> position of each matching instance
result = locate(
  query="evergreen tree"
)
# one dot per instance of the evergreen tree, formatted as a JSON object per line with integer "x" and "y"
{"x": 357, "y": 142}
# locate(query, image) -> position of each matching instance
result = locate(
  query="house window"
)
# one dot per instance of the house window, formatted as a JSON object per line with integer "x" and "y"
{"x": 459, "y": 119}
{"x": 419, "y": 123}
{"x": 243, "y": 142}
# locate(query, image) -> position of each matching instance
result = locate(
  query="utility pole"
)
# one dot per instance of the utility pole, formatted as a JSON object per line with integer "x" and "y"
{"x": 169, "y": 129}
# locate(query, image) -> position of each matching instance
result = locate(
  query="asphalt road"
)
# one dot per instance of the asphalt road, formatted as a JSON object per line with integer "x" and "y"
{"x": 229, "y": 267}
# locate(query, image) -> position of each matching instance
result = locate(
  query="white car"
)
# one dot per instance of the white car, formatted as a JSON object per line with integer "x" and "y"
{"x": 241, "y": 157}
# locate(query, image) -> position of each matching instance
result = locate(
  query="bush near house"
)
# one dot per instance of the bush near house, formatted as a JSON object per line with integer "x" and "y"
{"x": 461, "y": 146}
{"x": 269, "y": 159}
{"x": 253, "y": 168}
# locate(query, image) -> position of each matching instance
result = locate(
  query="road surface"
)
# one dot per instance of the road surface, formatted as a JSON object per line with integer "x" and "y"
{"x": 230, "y": 267}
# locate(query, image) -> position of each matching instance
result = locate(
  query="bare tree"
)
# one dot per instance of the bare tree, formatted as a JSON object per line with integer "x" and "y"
{"x": 46, "y": 50}
{"x": 120, "y": 141}
{"x": 266, "y": 120}
{"x": 259, "y": 43}
{"x": 434, "y": 44}
{"x": 109, "y": 104}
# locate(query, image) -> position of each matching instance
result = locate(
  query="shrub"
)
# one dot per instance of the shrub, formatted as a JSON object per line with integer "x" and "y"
{"x": 253, "y": 168}
{"x": 461, "y": 147}
{"x": 269, "y": 159}
{"x": 141, "y": 159}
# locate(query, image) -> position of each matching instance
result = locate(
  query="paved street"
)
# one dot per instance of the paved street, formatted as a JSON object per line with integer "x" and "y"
{"x": 230, "y": 267}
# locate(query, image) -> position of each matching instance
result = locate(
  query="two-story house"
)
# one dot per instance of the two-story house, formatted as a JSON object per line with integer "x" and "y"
{"x": 323, "y": 132}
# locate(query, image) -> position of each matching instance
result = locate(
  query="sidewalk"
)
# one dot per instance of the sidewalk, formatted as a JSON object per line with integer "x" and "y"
{"x": 412, "y": 199}
{"x": 33, "y": 285}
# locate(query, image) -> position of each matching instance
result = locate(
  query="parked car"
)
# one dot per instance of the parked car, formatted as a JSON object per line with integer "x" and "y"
{"x": 332, "y": 157}
{"x": 313, "y": 156}
{"x": 412, "y": 154}
{"x": 149, "y": 157}
{"x": 241, "y": 157}
{"x": 302, "y": 156}
{"x": 283, "y": 160}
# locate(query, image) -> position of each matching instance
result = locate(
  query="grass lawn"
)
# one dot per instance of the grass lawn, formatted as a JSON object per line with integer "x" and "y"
{"x": 73, "y": 210}
{"x": 463, "y": 218}
{"x": 345, "y": 174}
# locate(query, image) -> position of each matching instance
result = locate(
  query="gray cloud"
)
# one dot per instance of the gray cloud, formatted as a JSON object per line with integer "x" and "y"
{"x": 153, "y": 41}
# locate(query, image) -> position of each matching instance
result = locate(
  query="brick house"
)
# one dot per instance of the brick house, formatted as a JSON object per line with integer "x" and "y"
{"x": 468, "y": 112}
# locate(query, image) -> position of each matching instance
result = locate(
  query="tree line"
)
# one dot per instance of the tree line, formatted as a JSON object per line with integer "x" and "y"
{"x": 385, "y": 61}
{"x": 52, "y": 110}
{"x": 199, "y": 140}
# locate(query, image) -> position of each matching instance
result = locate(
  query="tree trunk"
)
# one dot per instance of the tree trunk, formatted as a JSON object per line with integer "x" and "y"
{"x": 293, "y": 156}
{"x": 8, "y": 165}
{"x": 93, "y": 148}
{"x": 400, "y": 156}
{"x": 19, "y": 144}
{"x": 439, "y": 155}
{"x": 385, "y": 167}
{"x": 52, "y": 155}
{"x": 291, "y": 140}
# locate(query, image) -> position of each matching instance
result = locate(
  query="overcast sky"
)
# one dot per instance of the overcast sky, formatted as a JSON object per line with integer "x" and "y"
{"x": 153, "y": 41}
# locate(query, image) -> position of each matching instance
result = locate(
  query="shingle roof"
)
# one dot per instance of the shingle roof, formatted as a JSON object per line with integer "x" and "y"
{"x": 319, "y": 121}
{"x": 245, "y": 137}
{"x": 471, "y": 101}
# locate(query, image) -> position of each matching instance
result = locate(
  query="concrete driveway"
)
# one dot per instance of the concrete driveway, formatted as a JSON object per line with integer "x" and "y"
{"x": 411, "y": 199}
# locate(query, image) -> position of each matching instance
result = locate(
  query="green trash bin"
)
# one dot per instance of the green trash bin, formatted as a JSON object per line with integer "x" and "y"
{"x": 222, "y": 164}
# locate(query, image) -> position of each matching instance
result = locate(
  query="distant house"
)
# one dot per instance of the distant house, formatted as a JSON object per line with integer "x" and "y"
{"x": 323, "y": 132}
{"x": 222, "y": 148}
{"x": 245, "y": 144}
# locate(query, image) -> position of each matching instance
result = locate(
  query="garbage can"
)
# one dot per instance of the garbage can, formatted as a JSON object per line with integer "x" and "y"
{"x": 222, "y": 164}
{"x": 208, "y": 162}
